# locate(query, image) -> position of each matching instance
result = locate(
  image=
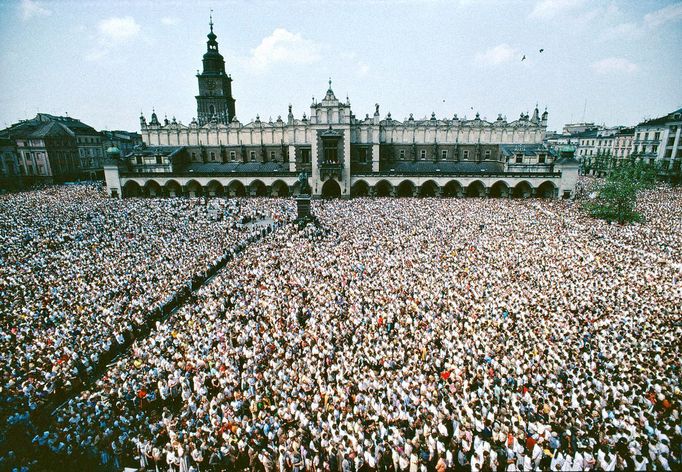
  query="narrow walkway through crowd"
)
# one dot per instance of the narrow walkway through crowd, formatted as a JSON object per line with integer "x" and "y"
{"x": 266, "y": 226}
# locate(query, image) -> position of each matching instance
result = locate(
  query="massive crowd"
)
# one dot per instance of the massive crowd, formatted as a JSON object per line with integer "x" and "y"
{"x": 81, "y": 273}
{"x": 403, "y": 334}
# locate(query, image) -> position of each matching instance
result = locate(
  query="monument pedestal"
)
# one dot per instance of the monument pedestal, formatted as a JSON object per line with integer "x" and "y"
{"x": 303, "y": 206}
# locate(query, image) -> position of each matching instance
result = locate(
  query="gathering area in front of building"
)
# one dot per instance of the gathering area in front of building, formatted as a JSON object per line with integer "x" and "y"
{"x": 228, "y": 296}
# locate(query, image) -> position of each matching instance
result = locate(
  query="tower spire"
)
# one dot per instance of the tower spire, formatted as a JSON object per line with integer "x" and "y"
{"x": 210, "y": 20}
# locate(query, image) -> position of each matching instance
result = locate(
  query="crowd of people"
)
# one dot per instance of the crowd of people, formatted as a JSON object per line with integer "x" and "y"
{"x": 80, "y": 274}
{"x": 401, "y": 334}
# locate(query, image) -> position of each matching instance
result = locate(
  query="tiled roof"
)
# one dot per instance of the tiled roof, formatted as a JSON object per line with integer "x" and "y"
{"x": 237, "y": 167}
{"x": 445, "y": 167}
{"x": 663, "y": 119}
{"x": 48, "y": 125}
{"x": 526, "y": 149}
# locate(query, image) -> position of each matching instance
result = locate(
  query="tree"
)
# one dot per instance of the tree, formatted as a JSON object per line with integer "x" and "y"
{"x": 617, "y": 196}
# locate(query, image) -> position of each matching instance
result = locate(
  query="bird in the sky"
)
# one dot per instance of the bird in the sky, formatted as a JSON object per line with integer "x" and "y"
{"x": 541, "y": 50}
{"x": 523, "y": 58}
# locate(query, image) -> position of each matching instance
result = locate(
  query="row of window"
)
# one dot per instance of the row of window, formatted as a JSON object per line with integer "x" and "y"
{"x": 233, "y": 156}
{"x": 656, "y": 135}
{"x": 443, "y": 154}
{"x": 88, "y": 140}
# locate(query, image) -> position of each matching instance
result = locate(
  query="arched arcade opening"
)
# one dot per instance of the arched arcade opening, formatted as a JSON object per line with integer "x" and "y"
{"x": 383, "y": 188}
{"x": 428, "y": 189}
{"x": 359, "y": 189}
{"x": 405, "y": 189}
{"x": 331, "y": 189}
{"x": 476, "y": 189}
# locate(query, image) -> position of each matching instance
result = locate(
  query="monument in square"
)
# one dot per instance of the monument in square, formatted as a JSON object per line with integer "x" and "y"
{"x": 303, "y": 198}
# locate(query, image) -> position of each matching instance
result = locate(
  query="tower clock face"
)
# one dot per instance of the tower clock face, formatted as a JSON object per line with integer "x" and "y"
{"x": 210, "y": 84}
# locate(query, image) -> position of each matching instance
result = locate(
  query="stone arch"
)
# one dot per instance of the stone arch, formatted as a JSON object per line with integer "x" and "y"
{"x": 359, "y": 189}
{"x": 429, "y": 189}
{"x": 194, "y": 188}
{"x": 476, "y": 189}
{"x": 546, "y": 189}
{"x": 406, "y": 188}
{"x": 383, "y": 188}
{"x": 173, "y": 188}
{"x": 215, "y": 188}
{"x": 258, "y": 189}
{"x": 132, "y": 189}
{"x": 279, "y": 188}
{"x": 499, "y": 189}
{"x": 453, "y": 189}
{"x": 331, "y": 189}
{"x": 152, "y": 189}
{"x": 236, "y": 189}
{"x": 522, "y": 190}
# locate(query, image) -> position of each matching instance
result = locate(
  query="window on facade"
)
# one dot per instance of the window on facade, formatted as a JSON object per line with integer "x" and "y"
{"x": 213, "y": 156}
{"x": 253, "y": 155}
{"x": 657, "y": 136}
{"x": 444, "y": 154}
{"x": 362, "y": 155}
{"x": 272, "y": 155}
{"x": 331, "y": 153}
{"x": 541, "y": 158}
{"x": 233, "y": 155}
{"x": 139, "y": 160}
{"x": 422, "y": 154}
{"x": 194, "y": 155}
{"x": 466, "y": 154}
{"x": 159, "y": 160}
{"x": 402, "y": 154}
{"x": 487, "y": 154}
{"x": 519, "y": 159}
{"x": 654, "y": 148}
{"x": 305, "y": 156}
{"x": 671, "y": 141}
{"x": 646, "y": 136}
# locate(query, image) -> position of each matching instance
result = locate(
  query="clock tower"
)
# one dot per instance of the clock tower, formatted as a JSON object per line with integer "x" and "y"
{"x": 214, "y": 101}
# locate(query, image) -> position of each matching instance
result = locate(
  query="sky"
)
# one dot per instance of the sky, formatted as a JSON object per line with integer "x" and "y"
{"x": 104, "y": 62}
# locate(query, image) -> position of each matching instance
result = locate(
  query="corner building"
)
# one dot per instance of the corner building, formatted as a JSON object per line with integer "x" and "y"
{"x": 343, "y": 155}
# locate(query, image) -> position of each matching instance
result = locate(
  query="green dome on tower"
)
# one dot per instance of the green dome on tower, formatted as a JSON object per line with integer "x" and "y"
{"x": 113, "y": 152}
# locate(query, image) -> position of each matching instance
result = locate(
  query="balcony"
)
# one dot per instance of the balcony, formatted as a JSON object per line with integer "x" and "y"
{"x": 328, "y": 169}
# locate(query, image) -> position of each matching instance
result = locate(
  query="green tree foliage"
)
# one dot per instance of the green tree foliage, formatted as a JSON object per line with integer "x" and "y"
{"x": 617, "y": 196}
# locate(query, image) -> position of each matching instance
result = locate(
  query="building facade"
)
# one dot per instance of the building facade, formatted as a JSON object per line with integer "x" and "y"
{"x": 9, "y": 165}
{"x": 343, "y": 155}
{"x": 56, "y": 148}
{"x": 658, "y": 141}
